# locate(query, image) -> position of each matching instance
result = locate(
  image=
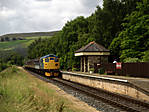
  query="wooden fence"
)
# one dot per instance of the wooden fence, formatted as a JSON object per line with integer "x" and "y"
{"x": 140, "y": 69}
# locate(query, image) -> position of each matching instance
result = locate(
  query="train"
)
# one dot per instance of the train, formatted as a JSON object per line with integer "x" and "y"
{"x": 48, "y": 65}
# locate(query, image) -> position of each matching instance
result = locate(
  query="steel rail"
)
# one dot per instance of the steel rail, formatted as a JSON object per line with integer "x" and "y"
{"x": 116, "y": 100}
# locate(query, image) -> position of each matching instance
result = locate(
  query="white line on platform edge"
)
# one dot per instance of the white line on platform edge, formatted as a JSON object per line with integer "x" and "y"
{"x": 98, "y": 77}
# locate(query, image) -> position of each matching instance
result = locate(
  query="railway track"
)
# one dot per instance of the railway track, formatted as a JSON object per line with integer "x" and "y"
{"x": 116, "y": 100}
{"x": 122, "y": 102}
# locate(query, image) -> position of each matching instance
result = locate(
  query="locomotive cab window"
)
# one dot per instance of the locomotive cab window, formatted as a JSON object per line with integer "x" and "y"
{"x": 56, "y": 59}
{"x": 51, "y": 58}
{"x": 46, "y": 60}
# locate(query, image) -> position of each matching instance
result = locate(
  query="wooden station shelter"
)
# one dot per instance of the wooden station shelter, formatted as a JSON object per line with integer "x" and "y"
{"x": 92, "y": 55}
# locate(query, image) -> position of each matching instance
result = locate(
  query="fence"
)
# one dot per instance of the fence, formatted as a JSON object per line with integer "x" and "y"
{"x": 140, "y": 69}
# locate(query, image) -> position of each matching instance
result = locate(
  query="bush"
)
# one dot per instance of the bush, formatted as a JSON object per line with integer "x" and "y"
{"x": 75, "y": 69}
{"x": 14, "y": 69}
{"x": 127, "y": 60}
{"x": 101, "y": 71}
{"x": 3, "y": 66}
{"x": 146, "y": 56}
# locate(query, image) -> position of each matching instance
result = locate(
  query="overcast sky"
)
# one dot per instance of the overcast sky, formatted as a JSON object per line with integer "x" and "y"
{"x": 18, "y": 16}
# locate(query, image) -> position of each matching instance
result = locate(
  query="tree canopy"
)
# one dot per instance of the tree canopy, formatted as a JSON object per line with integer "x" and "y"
{"x": 121, "y": 26}
{"x": 133, "y": 40}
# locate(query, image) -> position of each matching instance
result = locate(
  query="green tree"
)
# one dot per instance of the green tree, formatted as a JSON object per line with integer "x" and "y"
{"x": 102, "y": 26}
{"x": 146, "y": 56}
{"x": 133, "y": 41}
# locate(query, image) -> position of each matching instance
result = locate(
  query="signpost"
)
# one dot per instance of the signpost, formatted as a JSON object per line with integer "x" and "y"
{"x": 118, "y": 65}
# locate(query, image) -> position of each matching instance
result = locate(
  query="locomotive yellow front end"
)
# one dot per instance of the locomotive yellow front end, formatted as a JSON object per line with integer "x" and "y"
{"x": 51, "y": 65}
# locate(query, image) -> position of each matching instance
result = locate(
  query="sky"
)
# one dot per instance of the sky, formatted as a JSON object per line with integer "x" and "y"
{"x": 20, "y": 16}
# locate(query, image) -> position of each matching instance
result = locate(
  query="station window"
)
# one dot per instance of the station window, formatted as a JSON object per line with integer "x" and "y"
{"x": 46, "y": 60}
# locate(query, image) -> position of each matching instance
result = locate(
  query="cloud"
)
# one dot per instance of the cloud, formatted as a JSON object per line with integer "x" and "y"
{"x": 44, "y": 0}
{"x": 41, "y": 15}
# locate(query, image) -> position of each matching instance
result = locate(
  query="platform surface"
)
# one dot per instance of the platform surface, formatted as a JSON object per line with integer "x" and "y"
{"x": 142, "y": 83}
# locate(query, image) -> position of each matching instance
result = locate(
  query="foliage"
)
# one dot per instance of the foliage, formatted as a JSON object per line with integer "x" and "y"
{"x": 15, "y": 52}
{"x": 23, "y": 36}
{"x": 133, "y": 41}
{"x": 3, "y": 66}
{"x": 146, "y": 56}
{"x": 115, "y": 47}
{"x": 20, "y": 92}
{"x": 101, "y": 71}
{"x": 75, "y": 69}
{"x": 11, "y": 59}
{"x": 127, "y": 60}
{"x": 103, "y": 26}
{"x": 92, "y": 69}
{"x": 15, "y": 59}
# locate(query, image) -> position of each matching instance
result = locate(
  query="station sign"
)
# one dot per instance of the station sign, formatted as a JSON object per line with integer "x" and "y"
{"x": 118, "y": 65}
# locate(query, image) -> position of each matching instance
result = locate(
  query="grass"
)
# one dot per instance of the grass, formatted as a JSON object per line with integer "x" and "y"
{"x": 20, "y": 92}
{"x": 38, "y": 37}
{"x": 9, "y": 45}
{"x": 12, "y": 44}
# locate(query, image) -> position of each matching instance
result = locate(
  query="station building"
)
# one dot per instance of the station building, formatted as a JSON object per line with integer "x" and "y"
{"x": 92, "y": 55}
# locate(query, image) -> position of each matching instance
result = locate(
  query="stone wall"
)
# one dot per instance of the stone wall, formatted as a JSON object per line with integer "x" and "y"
{"x": 112, "y": 86}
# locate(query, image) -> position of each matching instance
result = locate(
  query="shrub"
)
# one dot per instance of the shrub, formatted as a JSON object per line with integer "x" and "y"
{"x": 131, "y": 60}
{"x": 101, "y": 71}
{"x": 146, "y": 56}
{"x": 75, "y": 69}
{"x": 3, "y": 66}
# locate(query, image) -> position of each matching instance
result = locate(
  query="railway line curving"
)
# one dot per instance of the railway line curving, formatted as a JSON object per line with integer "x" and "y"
{"x": 121, "y": 102}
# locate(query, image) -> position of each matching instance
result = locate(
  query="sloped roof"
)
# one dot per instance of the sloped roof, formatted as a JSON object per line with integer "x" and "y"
{"x": 92, "y": 47}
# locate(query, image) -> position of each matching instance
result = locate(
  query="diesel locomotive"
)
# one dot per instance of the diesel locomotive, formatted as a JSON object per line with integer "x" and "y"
{"x": 47, "y": 65}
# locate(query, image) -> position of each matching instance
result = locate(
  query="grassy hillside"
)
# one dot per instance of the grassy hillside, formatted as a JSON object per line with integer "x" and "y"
{"x": 10, "y": 45}
{"x": 20, "y": 92}
{"x": 19, "y": 42}
{"x": 19, "y": 46}
{"x": 21, "y": 36}
{"x": 13, "y": 44}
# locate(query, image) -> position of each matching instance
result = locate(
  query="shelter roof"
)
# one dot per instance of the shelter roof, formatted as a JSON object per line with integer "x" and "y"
{"x": 92, "y": 47}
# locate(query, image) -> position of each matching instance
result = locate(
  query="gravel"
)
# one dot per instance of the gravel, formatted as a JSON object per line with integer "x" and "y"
{"x": 99, "y": 105}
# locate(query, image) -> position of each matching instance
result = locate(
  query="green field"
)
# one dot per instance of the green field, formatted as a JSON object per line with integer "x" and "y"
{"x": 10, "y": 45}
{"x": 18, "y": 46}
{"x": 17, "y": 43}
{"x": 13, "y": 44}
{"x": 21, "y": 92}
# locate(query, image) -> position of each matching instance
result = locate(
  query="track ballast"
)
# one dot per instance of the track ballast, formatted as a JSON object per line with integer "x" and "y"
{"x": 123, "y": 103}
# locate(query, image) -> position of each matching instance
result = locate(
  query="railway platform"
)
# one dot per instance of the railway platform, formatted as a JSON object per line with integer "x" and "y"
{"x": 131, "y": 86}
{"x": 140, "y": 82}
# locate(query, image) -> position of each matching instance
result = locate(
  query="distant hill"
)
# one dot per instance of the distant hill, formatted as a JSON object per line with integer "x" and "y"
{"x": 22, "y": 36}
{"x": 19, "y": 42}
